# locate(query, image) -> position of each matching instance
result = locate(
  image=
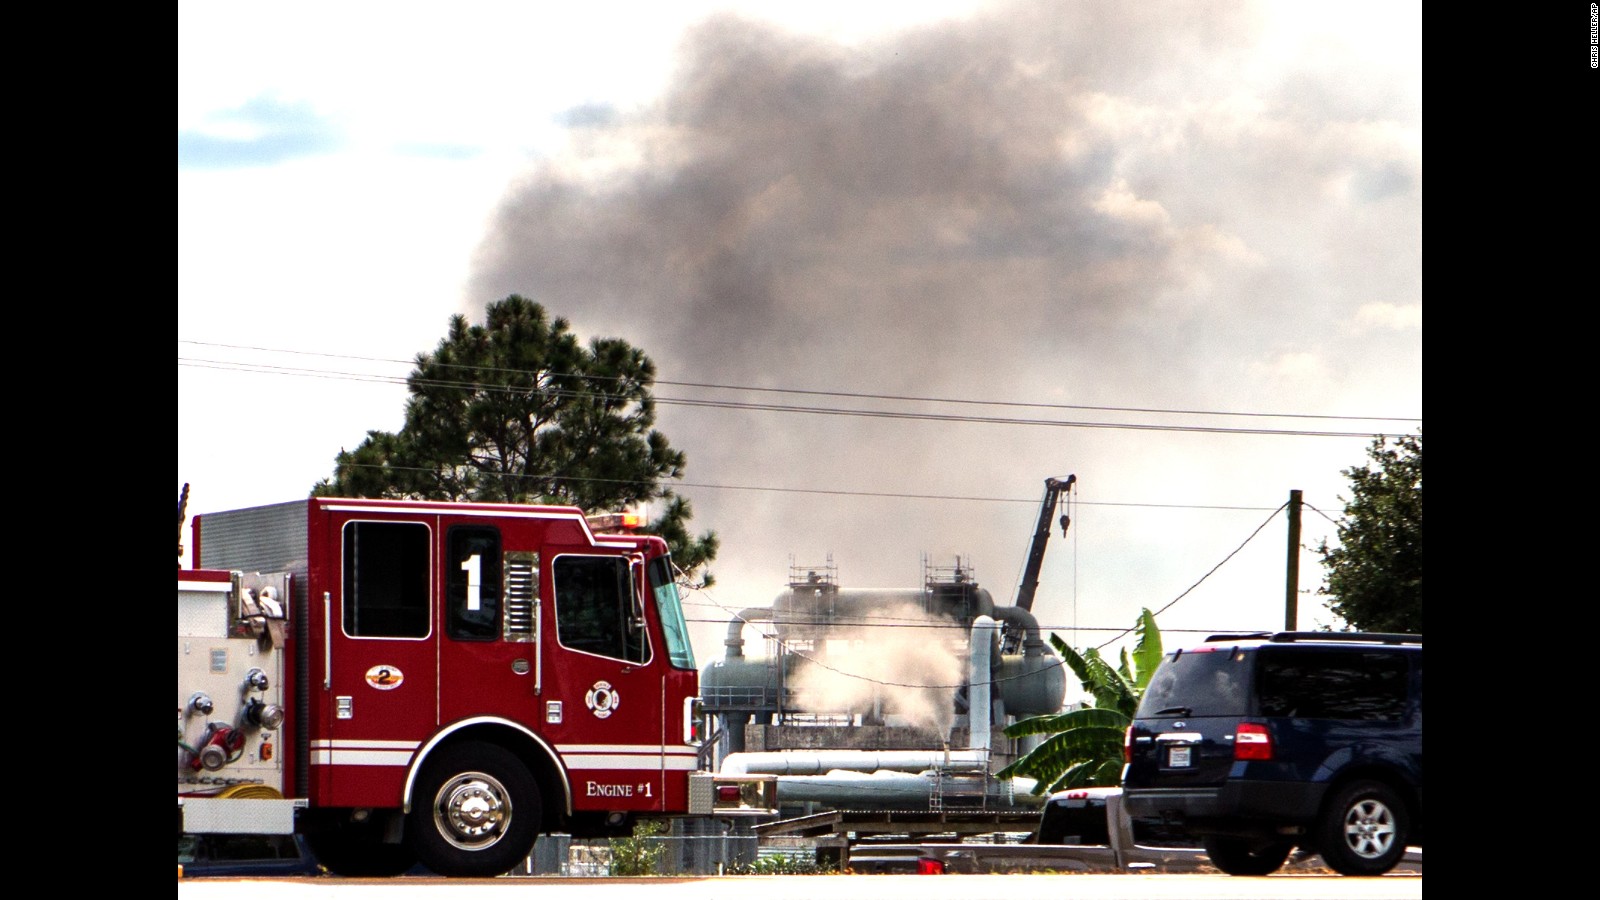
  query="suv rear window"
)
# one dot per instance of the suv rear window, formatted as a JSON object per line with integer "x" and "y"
{"x": 1302, "y": 682}
{"x": 1332, "y": 684}
{"x": 1203, "y": 682}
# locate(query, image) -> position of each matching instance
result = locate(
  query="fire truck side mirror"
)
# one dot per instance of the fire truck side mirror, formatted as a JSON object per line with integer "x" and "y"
{"x": 694, "y": 721}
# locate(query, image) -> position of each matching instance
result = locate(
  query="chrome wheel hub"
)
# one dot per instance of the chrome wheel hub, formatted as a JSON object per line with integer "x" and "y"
{"x": 472, "y": 811}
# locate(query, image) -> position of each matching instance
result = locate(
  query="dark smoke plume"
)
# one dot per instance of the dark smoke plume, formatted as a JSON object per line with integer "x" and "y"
{"x": 1042, "y": 202}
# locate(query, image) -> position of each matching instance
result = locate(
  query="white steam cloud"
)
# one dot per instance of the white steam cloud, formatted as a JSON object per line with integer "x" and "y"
{"x": 907, "y": 672}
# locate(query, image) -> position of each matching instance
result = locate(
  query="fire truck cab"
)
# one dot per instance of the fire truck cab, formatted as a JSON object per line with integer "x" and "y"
{"x": 411, "y": 682}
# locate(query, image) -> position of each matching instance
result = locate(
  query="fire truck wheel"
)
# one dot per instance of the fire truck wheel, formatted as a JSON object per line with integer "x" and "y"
{"x": 475, "y": 811}
{"x": 358, "y": 851}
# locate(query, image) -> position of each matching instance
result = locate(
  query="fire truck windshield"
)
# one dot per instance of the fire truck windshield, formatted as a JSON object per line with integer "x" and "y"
{"x": 670, "y": 607}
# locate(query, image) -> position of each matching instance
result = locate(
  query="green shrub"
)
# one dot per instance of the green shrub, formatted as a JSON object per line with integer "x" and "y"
{"x": 781, "y": 865}
{"x": 638, "y": 855}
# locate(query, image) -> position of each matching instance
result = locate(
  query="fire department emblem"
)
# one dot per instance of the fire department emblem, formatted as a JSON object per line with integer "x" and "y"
{"x": 385, "y": 678}
{"x": 602, "y": 699}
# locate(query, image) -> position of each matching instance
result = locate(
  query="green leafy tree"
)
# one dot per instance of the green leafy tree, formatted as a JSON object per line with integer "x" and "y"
{"x": 1374, "y": 574}
{"x": 1085, "y": 745}
{"x": 518, "y": 410}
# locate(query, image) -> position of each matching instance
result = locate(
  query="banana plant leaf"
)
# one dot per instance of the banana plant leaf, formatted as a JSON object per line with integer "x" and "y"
{"x": 1089, "y": 716}
{"x": 1105, "y": 773}
{"x": 1046, "y": 762}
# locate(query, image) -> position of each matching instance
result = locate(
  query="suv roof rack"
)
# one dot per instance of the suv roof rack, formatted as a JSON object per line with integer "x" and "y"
{"x": 1239, "y": 636}
{"x": 1370, "y": 637}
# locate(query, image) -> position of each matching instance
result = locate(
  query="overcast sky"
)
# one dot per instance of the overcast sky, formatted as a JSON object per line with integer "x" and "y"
{"x": 1103, "y": 214}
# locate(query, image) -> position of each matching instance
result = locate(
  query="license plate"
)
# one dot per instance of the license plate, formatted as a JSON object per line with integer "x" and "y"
{"x": 1180, "y": 757}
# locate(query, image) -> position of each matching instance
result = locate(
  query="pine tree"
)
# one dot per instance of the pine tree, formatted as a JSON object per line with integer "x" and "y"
{"x": 517, "y": 410}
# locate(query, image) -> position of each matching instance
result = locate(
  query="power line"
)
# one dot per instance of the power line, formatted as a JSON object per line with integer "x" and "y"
{"x": 1208, "y": 574}
{"x": 243, "y": 366}
{"x": 1119, "y": 629}
{"x": 1322, "y": 514}
{"x": 871, "y": 622}
{"x": 261, "y": 368}
{"x": 1003, "y": 420}
{"x": 852, "y": 394}
{"x": 897, "y": 495}
{"x": 806, "y": 410}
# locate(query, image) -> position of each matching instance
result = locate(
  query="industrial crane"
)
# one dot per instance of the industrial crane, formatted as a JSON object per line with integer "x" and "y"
{"x": 1054, "y": 490}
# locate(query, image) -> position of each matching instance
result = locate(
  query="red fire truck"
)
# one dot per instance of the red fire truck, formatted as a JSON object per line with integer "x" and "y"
{"x": 409, "y": 682}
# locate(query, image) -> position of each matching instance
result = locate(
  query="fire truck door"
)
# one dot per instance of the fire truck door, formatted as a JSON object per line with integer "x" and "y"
{"x": 381, "y": 676}
{"x": 603, "y": 696}
{"x": 489, "y": 651}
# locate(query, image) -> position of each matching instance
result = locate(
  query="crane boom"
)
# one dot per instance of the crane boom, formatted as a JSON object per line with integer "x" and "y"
{"x": 1053, "y": 489}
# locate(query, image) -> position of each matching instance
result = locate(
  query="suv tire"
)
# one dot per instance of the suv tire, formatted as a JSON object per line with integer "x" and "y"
{"x": 1237, "y": 856}
{"x": 1364, "y": 829}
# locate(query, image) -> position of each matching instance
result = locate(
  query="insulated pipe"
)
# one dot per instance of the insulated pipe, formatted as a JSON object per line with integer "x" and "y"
{"x": 980, "y": 684}
{"x": 896, "y": 790}
{"x": 735, "y": 639}
{"x": 860, "y": 790}
{"x": 817, "y": 762}
{"x": 1016, "y": 616}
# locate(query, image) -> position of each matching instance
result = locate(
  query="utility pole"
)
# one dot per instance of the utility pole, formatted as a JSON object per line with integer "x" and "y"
{"x": 1291, "y": 600}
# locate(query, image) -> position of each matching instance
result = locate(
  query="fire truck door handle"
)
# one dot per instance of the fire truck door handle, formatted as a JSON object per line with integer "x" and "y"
{"x": 327, "y": 640}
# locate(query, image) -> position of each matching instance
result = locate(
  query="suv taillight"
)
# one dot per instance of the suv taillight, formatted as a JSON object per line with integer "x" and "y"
{"x": 1127, "y": 744}
{"x": 1252, "y": 741}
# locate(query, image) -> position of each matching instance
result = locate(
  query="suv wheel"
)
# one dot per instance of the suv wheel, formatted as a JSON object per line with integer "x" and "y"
{"x": 1363, "y": 830}
{"x": 1237, "y": 856}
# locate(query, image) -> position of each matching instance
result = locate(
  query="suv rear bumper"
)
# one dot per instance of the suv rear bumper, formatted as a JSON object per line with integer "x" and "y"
{"x": 1237, "y": 807}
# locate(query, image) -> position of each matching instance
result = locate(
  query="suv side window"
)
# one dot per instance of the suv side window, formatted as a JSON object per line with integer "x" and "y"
{"x": 1332, "y": 684}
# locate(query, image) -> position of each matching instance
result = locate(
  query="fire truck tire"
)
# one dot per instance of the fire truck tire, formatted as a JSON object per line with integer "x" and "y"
{"x": 475, "y": 811}
{"x": 358, "y": 851}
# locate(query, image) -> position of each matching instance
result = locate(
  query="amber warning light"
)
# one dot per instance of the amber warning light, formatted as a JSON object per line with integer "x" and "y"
{"x": 615, "y": 522}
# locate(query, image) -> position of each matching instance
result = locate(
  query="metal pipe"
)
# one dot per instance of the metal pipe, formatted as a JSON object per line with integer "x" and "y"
{"x": 1023, "y": 620}
{"x": 898, "y": 790}
{"x": 735, "y": 639}
{"x": 980, "y": 684}
{"x": 817, "y": 762}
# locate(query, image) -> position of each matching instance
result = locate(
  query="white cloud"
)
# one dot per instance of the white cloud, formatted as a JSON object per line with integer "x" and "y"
{"x": 1294, "y": 369}
{"x": 1119, "y": 202}
{"x": 1389, "y": 316}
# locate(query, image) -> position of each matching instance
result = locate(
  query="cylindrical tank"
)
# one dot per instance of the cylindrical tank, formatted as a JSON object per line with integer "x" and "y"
{"x": 741, "y": 683}
{"x": 1031, "y": 685}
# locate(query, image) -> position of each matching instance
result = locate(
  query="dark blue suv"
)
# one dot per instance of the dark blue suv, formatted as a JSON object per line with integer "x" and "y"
{"x": 1258, "y": 744}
